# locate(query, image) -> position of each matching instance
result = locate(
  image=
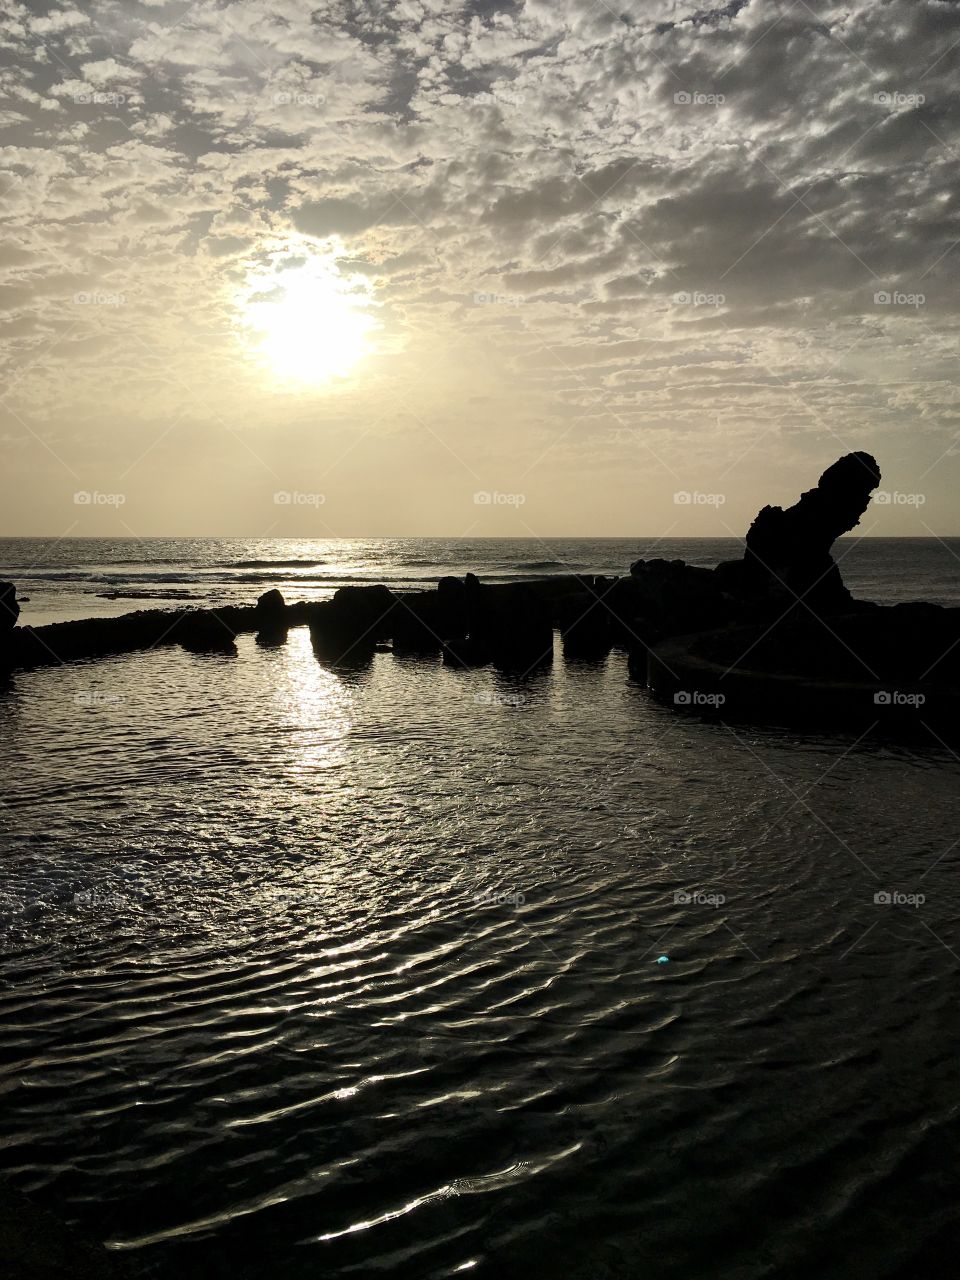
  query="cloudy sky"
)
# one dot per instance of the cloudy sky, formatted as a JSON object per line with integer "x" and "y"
{"x": 380, "y": 257}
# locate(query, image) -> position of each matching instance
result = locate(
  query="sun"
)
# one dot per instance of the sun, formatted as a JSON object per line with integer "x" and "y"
{"x": 306, "y": 320}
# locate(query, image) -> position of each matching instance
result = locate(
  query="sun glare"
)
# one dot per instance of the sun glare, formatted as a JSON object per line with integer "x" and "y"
{"x": 306, "y": 320}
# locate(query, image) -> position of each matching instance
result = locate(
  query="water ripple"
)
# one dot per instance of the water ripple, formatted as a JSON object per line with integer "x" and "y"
{"x": 301, "y": 971}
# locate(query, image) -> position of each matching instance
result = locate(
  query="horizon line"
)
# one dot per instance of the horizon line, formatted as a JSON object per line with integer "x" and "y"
{"x": 446, "y": 537}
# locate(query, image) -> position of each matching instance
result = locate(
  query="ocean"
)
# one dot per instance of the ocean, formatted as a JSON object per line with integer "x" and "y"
{"x": 419, "y": 972}
{"x": 71, "y": 578}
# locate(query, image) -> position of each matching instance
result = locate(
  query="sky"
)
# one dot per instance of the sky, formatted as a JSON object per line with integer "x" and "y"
{"x": 551, "y": 267}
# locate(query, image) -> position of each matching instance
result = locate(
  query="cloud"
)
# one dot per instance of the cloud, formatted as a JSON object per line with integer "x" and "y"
{"x": 780, "y": 165}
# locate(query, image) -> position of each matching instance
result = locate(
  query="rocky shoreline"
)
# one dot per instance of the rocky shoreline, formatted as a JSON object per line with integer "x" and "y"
{"x": 774, "y": 635}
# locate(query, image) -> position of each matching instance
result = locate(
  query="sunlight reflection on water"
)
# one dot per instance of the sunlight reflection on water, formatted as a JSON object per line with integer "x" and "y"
{"x": 309, "y": 968}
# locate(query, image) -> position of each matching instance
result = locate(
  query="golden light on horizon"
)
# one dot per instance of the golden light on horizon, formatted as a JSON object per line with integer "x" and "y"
{"x": 307, "y": 321}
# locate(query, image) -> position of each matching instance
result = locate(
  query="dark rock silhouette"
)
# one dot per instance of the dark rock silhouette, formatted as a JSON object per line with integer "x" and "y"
{"x": 272, "y": 612}
{"x": 206, "y": 631}
{"x": 507, "y": 624}
{"x": 586, "y": 625}
{"x": 660, "y": 598}
{"x": 670, "y": 596}
{"x": 9, "y": 608}
{"x": 272, "y": 607}
{"x": 365, "y": 612}
{"x": 886, "y": 668}
{"x": 29, "y": 647}
{"x": 453, "y": 595}
{"x": 348, "y": 628}
{"x": 418, "y": 623}
{"x": 788, "y": 551}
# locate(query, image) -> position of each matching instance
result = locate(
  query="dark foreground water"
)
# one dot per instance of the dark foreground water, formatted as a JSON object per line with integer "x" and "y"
{"x": 307, "y": 974}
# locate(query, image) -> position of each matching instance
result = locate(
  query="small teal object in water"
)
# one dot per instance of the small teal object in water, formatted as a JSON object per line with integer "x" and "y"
{"x": 663, "y": 959}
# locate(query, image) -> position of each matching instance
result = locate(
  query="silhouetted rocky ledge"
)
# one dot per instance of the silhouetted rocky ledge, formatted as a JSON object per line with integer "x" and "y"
{"x": 774, "y": 635}
{"x": 894, "y": 667}
{"x": 466, "y": 621}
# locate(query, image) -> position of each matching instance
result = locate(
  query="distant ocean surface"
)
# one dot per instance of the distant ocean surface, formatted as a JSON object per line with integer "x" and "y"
{"x": 90, "y": 577}
{"x": 413, "y": 972}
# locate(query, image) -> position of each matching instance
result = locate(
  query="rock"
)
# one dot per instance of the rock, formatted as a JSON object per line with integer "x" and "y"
{"x": 272, "y": 606}
{"x": 347, "y": 629}
{"x": 788, "y": 551}
{"x": 272, "y": 615}
{"x": 365, "y": 612}
{"x": 336, "y": 643}
{"x": 585, "y": 625}
{"x": 206, "y": 631}
{"x": 453, "y": 595}
{"x": 25, "y": 648}
{"x": 416, "y": 624}
{"x": 510, "y": 623}
{"x": 9, "y": 608}
{"x": 667, "y": 597}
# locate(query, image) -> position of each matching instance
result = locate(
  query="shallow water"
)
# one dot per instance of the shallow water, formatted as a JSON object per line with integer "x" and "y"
{"x": 314, "y": 973}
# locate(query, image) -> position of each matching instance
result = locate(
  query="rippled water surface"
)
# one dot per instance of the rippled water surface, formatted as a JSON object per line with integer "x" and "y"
{"x": 314, "y": 973}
